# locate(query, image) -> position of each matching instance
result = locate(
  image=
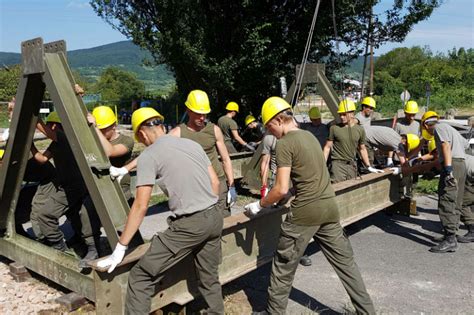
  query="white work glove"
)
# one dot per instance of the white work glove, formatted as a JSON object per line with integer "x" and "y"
{"x": 231, "y": 196}
{"x": 396, "y": 170}
{"x": 389, "y": 162}
{"x": 250, "y": 147}
{"x": 374, "y": 170}
{"x": 113, "y": 260}
{"x": 117, "y": 173}
{"x": 253, "y": 208}
{"x": 6, "y": 134}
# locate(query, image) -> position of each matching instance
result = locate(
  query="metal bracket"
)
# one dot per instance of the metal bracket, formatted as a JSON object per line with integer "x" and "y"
{"x": 32, "y": 53}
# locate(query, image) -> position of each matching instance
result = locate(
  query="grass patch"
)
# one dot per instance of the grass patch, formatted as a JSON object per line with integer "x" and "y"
{"x": 157, "y": 199}
{"x": 427, "y": 186}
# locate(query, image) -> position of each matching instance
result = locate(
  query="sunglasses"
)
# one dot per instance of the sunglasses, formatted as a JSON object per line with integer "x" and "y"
{"x": 155, "y": 122}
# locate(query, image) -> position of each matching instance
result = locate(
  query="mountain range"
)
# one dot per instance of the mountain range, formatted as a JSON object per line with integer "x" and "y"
{"x": 92, "y": 61}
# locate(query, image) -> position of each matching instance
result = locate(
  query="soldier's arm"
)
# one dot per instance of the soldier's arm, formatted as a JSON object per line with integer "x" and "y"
{"x": 222, "y": 150}
{"x": 41, "y": 158}
{"x": 264, "y": 167}
{"x": 110, "y": 149}
{"x": 214, "y": 180}
{"x": 327, "y": 149}
{"x": 137, "y": 213}
{"x": 364, "y": 155}
{"x": 44, "y": 129}
{"x": 235, "y": 135}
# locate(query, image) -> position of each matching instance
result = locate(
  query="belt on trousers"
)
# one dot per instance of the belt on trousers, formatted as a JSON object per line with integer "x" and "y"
{"x": 191, "y": 214}
{"x": 344, "y": 162}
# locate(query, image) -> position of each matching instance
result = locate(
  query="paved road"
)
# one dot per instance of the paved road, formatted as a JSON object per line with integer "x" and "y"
{"x": 401, "y": 275}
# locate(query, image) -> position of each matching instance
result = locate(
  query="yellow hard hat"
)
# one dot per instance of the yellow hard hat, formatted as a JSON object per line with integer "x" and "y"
{"x": 272, "y": 107}
{"x": 53, "y": 117}
{"x": 429, "y": 114}
{"x": 249, "y": 119}
{"x": 198, "y": 102}
{"x": 369, "y": 101}
{"x": 104, "y": 116}
{"x": 426, "y": 135}
{"x": 2, "y": 152}
{"x": 232, "y": 106}
{"x": 411, "y": 107}
{"x": 431, "y": 145}
{"x": 346, "y": 106}
{"x": 141, "y": 115}
{"x": 413, "y": 141}
{"x": 314, "y": 113}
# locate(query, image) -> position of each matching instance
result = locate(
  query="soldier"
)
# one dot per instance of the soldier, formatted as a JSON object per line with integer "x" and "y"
{"x": 69, "y": 198}
{"x": 313, "y": 212}
{"x": 186, "y": 175}
{"x": 210, "y": 137}
{"x": 368, "y": 106}
{"x": 344, "y": 140}
{"x": 408, "y": 124}
{"x": 253, "y": 132}
{"x": 230, "y": 129}
{"x": 316, "y": 127}
{"x": 117, "y": 147}
{"x": 451, "y": 148}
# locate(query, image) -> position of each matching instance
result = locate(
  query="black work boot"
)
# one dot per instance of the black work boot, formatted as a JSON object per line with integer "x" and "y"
{"x": 91, "y": 255}
{"x": 305, "y": 261}
{"x": 469, "y": 236}
{"x": 449, "y": 244}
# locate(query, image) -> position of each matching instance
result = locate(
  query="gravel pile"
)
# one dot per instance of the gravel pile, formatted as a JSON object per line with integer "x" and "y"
{"x": 29, "y": 297}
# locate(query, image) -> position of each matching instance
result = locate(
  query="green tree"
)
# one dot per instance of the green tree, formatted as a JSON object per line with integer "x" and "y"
{"x": 9, "y": 79}
{"x": 236, "y": 50}
{"x": 118, "y": 86}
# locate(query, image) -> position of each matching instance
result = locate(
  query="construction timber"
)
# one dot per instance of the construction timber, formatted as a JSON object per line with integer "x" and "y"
{"x": 247, "y": 243}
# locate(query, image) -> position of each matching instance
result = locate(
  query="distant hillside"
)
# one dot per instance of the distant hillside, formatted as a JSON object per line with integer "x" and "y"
{"x": 126, "y": 55}
{"x": 91, "y": 62}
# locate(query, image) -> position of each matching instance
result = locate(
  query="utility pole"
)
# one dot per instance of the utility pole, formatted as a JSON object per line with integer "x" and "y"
{"x": 369, "y": 31}
{"x": 371, "y": 89}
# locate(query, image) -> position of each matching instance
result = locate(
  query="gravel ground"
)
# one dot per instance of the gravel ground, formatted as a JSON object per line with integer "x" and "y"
{"x": 29, "y": 297}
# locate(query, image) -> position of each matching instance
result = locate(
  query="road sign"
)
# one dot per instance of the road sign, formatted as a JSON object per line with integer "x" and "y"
{"x": 405, "y": 96}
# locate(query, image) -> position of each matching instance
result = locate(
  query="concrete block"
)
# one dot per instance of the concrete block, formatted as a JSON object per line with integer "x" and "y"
{"x": 19, "y": 272}
{"x": 71, "y": 301}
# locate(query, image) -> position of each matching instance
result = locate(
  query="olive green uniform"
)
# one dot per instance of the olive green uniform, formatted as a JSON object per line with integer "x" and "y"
{"x": 88, "y": 212}
{"x": 313, "y": 213}
{"x": 207, "y": 139}
{"x": 227, "y": 124}
{"x": 120, "y": 161}
{"x": 468, "y": 197}
{"x": 346, "y": 141}
{"x": 451, "y": 196}
{"x": 180, "y": 167}
{"x": 68, "y": 198}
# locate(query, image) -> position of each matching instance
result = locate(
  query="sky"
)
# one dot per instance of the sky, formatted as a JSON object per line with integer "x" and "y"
{"x": 451, "y": 25}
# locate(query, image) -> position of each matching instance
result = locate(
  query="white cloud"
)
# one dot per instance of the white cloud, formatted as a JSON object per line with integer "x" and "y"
{"x": 76, "y": 4}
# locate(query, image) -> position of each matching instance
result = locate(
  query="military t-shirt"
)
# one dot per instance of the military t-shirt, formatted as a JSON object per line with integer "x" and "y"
{"x": 363, "y": 120}
{"x": 120, "y": 161}
{"x": 227, "y": 124}
{"x": 382, "y": 138}
{"x": 346, "y": 141}
{"x": 68, "y": 172}
{"x": 314, "y": 203}
{"x": 402, "y": 127}
{"x": 458, "y": 144}
{"x": 207, "y": 139}
{"x": 180, "y": 168}
{"x": 321, "y": 132}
